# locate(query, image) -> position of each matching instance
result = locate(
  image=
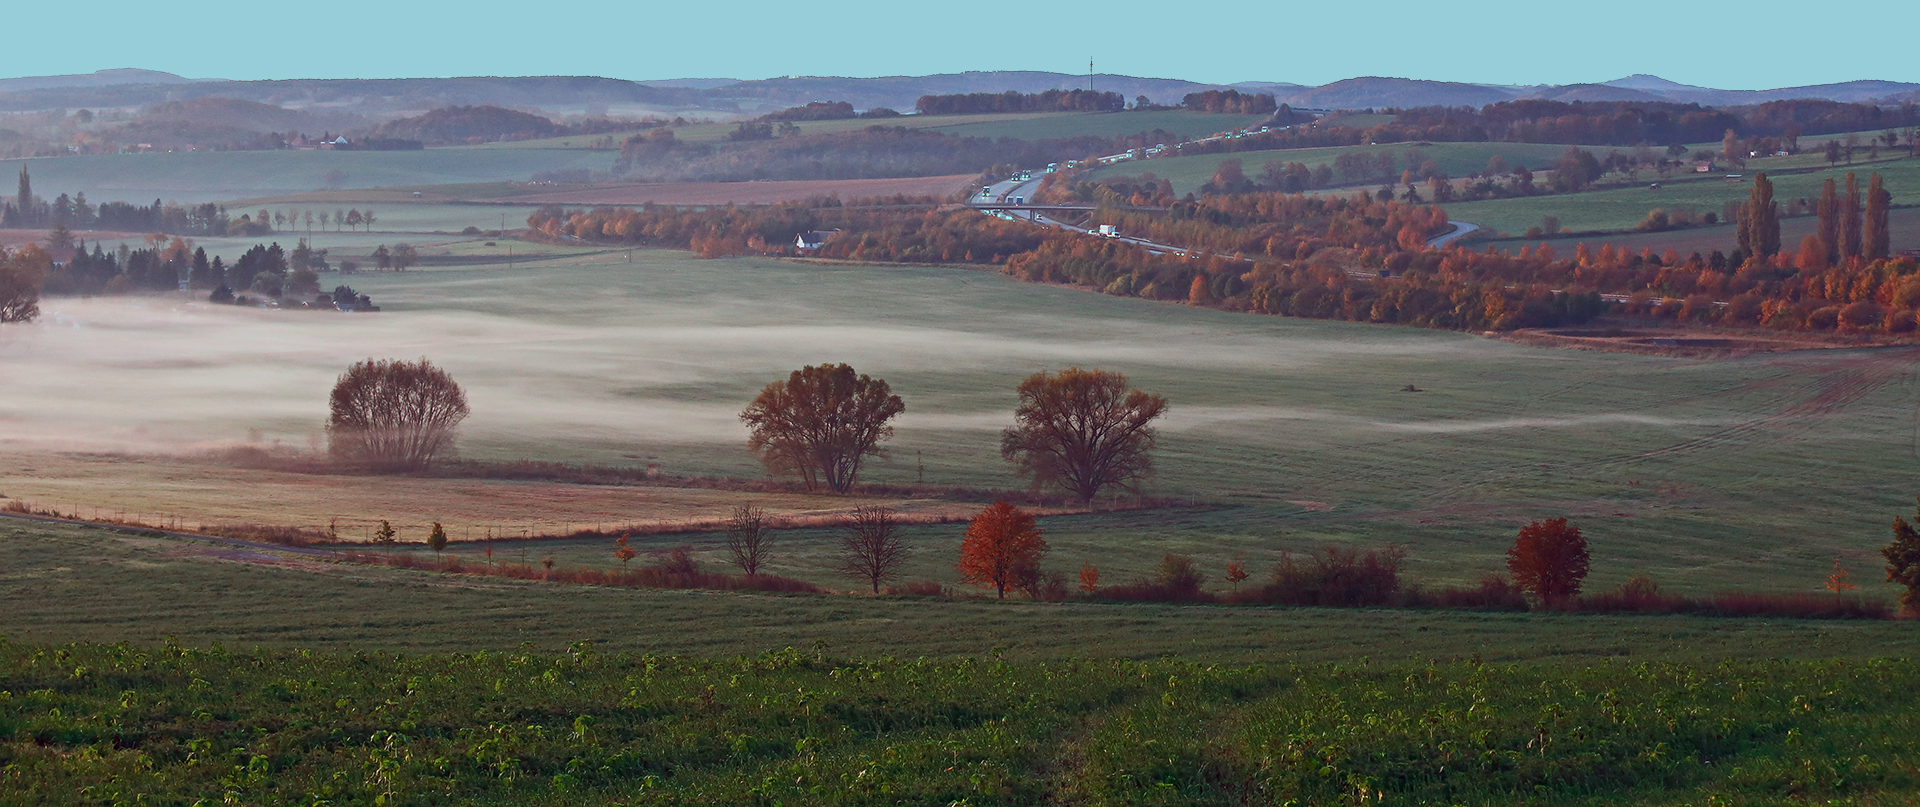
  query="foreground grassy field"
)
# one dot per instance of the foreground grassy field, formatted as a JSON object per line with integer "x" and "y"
{"x": 66, "y": 583}
{"x": 112, "y": 724}
{"x": 1709, "y": 475}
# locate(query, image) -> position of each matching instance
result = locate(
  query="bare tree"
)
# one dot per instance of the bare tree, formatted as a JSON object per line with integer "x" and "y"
{"x": 1082, "y": 430}
{"x": 871, "y": 546}
{"x": 394, "y": 415}
{"x": 749, "y": 538}
{"x": 820, "y": 423}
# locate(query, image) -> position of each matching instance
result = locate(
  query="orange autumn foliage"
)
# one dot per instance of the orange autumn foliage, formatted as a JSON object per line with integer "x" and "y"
{"x": 1001, "y": 544}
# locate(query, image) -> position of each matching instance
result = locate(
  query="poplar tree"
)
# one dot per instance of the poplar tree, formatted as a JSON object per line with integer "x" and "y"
{"x": 1850, "y": 219}
{"x": 1760, "y": 219}
{"x": 23, "y": 201}
{"x": 1828, "y": 209}
{"x": 1876, "y": 235}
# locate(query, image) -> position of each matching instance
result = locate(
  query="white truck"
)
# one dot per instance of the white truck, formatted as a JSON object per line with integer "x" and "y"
{"x": 1108, "y": 231}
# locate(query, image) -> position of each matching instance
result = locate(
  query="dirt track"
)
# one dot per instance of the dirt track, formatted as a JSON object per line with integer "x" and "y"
{"x": 748, "y": 193}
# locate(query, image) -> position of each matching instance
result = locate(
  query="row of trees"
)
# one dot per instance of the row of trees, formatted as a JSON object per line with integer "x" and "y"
{"x": 1082, "y": 431}
{"x": 1014, "y": 101}
{"x": 1230, "y": 101}
{"x": 1848, "y": 230}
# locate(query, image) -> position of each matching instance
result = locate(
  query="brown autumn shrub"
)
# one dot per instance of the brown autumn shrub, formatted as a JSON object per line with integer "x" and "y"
{"x": 1494, "y": 593}
{"x": 1336, "y": 576}
{"x": 918, "y": 588}
{"x": 1175, "y": 580}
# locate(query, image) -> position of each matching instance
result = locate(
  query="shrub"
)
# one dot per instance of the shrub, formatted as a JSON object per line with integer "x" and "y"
{"x": 918, "y": 588}
{"x": 1337, "y": 576}
{"x": 1176, "y": 579}
{"x": 1494, "y": 593}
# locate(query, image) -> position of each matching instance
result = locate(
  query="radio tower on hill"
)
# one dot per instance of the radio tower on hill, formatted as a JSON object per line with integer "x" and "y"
{"x": 1089, "y": 74}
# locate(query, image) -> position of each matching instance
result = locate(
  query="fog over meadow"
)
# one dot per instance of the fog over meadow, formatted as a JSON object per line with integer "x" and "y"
{"x": 149, "y": 374}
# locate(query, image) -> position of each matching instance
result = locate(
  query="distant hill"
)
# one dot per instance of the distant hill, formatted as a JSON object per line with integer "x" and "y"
{"x": 1848, "y": 91}
{"x": 900, "y": 92}
{"x": 559, "y": 96}
{"x": 468, "y": 124}
{"x": 379, "y": 97}
{"x": 692, "y": 83}
{"x": 1595, "y": 92}
{"x": 250, "y": 116}
{"x": 98, "y": 78}
{"x": 1376, "y": 92}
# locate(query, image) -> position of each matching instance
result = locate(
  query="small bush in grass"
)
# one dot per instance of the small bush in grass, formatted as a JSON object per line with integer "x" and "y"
{"x": 1494, "y": 593}
{"x": 918, "y": 588}
{"x": 1337, "y": 576}
{"x": 1176, "y": 579}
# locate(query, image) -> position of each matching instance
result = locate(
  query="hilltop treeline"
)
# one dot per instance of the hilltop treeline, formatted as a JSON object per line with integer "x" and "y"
{"x": 1622, "y": 123}
{"x": 1230, "y": 101}
{"x": 1011, "y": 101}
{"x": 461, "y": 124}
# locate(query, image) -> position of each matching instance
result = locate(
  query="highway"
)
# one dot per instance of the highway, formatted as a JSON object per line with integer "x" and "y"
{"x": 998, "y": 200}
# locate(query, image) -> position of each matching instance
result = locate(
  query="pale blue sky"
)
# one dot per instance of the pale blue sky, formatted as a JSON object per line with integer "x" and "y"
{"x": 1749, "y": 46}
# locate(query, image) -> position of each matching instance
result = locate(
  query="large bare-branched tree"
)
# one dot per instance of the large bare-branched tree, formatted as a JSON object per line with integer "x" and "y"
{"x": 820, "y": 423}
{"x": 871, "y": 546}
{"x": 21, "y": 274}
{"x": 1082, "y": 430}
{"x": 394, "y": 415}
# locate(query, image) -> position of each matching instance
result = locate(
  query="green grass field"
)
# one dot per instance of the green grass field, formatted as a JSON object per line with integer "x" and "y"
{"x": 1457, "y": 159}
{"x": 1903, "y": 225}
{"x": 67, "y": 583}
{"x": 1294, "y": 431}
{"x": 217, "y": 176}
{"x": 180, "y": 725}
{"x": 1622, "y": 208}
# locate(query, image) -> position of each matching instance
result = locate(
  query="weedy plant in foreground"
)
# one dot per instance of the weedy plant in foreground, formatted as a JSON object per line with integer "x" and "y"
{"x": 90, "y": 724}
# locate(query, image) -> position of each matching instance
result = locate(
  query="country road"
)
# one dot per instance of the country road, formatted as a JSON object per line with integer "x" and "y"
{"x": 1460, "y": 228}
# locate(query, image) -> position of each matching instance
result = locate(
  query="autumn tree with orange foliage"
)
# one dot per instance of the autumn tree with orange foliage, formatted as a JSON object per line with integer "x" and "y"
{"x": 1002, "y": 547}
{"x": 1089, "y": 578}
{"x": 1548, "y": 560}
{"x": 1082, "y": 430}
{"x": 1236, "y": 572}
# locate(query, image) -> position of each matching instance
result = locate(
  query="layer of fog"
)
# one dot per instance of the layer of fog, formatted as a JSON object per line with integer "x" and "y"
{"x": 165, "y": 375}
